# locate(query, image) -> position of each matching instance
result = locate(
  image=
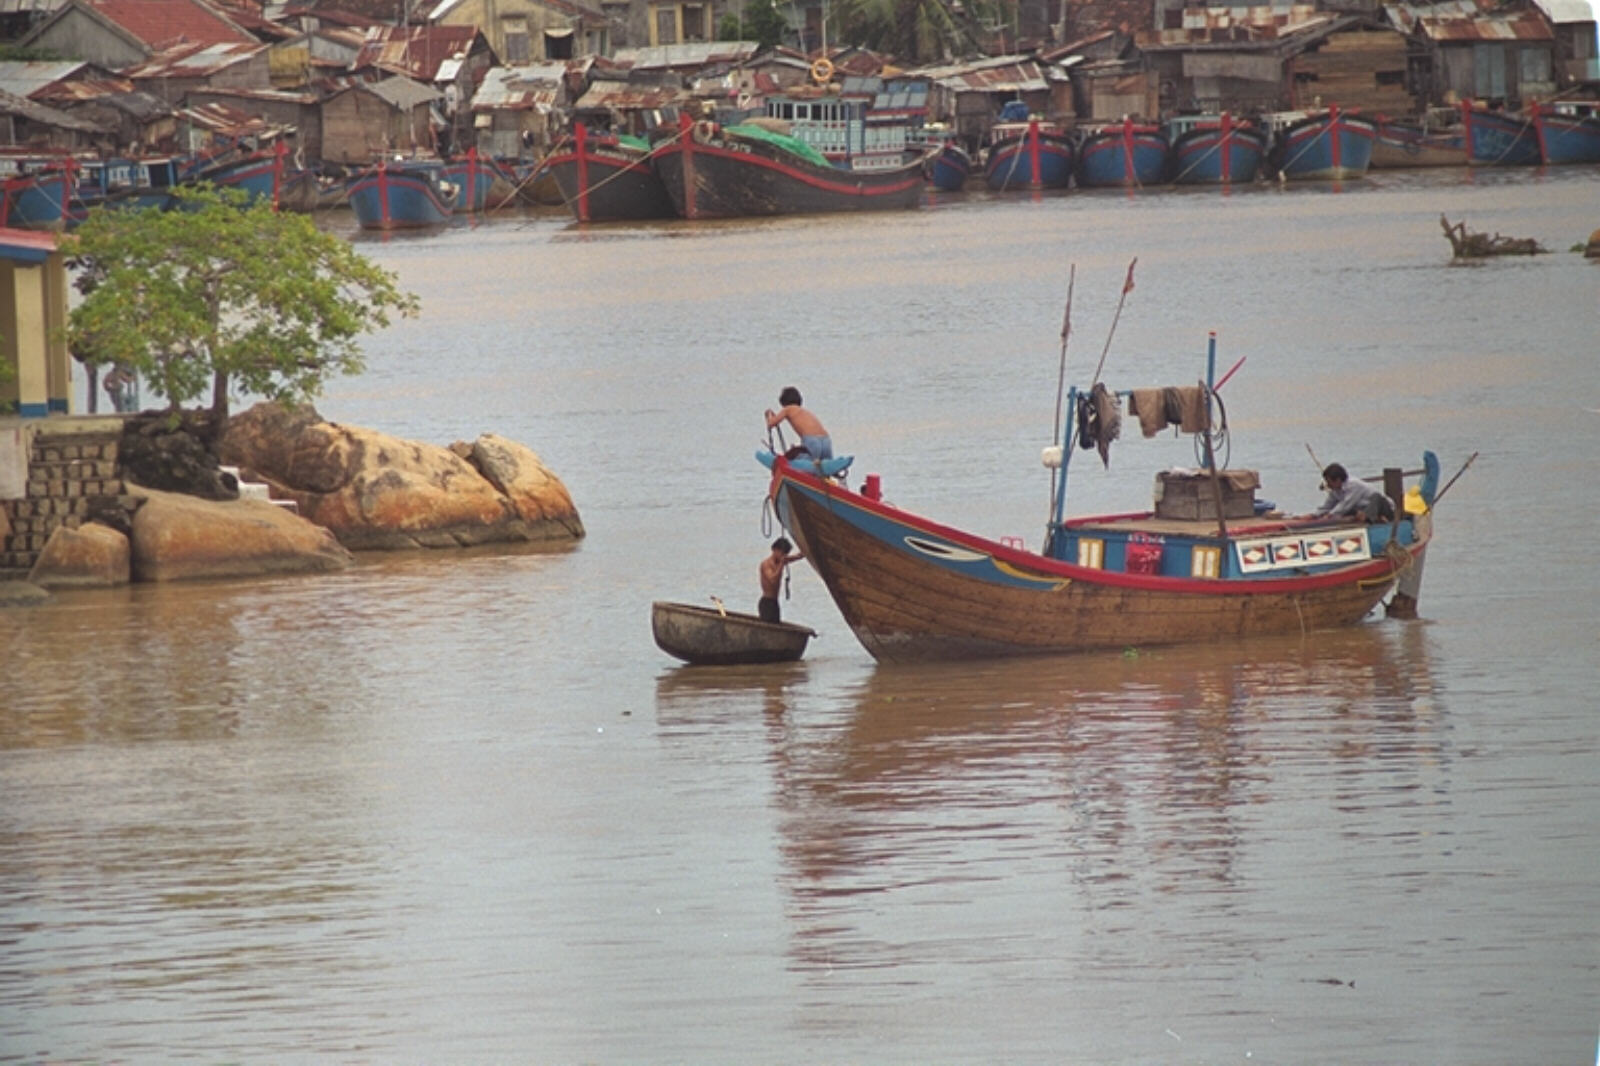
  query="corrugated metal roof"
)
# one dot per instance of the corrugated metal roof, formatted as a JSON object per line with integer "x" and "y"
{"x": 416, "y": 51}
{"x": 1564, "y": 12}
{"x": 693, "y": 54}
{"x": 1468, "y": 20}
{"x": 404, "y": 93}
{"x": 527, "y": 88}
{"x": 159, "y": 23}
{"x": 621, "y": 96}
{"x": 1002, "y": 74}
{"x": 194, "y": 60}
{"x": 27, "y": 78}
{"x": 1526, "y": 27}
{"x": 12, "y": 104}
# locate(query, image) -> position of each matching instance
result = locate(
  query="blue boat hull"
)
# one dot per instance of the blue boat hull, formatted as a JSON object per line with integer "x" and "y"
{"x": 1209, "y": 155}
{"x": 1327, "y": 147}
{"x": 473, "y": 179}
{"x": 1123, "y": 156}
{"x": 950, "y": 168}
{"x": 38, "y": 201}
{"x": 1030, "y": 160}
{"x": 398, "y": 199}
{"x": 1569, "y": 139}
{"x": 1497, "y": 139}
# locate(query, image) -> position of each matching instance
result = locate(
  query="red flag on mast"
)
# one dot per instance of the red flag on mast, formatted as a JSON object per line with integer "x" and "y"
{"x": 1127, "y": 286}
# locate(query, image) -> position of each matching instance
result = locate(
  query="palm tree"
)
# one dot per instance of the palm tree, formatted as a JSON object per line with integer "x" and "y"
{"x": 916, "y": 31}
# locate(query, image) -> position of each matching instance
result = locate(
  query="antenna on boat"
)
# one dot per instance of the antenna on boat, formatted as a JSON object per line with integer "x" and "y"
{"x": 1061, "y": 374}
{"x": 1127, "y": 287}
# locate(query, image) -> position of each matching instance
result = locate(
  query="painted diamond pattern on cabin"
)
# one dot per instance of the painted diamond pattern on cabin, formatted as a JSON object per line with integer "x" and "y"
{"x": 1287, "y": 553}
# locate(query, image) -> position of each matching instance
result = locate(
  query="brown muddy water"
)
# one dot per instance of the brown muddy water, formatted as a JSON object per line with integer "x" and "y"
{"x": 457, "y": 807}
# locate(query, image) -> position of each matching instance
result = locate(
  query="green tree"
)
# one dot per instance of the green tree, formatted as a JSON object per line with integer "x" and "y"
{"x": 215, "y": 292}
{"x": 916, "y": 31}
{"x": 762, "y": 22}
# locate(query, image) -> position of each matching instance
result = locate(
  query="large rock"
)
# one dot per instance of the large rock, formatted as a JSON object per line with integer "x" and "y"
{"x": 1592, "y": 249}
{"x": 377, "y": 491}
{"x": 91, "y": 556}
{"x": 173, "y": 458}
{"x": 21, "y": 594}
{"x": 177, "y": 537}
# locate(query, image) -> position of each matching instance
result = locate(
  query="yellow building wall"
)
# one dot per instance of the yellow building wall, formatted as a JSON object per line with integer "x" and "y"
{"x": 33, "y": 316}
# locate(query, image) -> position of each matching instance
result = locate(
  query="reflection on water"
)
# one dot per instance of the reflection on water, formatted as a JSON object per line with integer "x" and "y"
{"x": 457, "y": 806}
{"x": 1130, "y": 772}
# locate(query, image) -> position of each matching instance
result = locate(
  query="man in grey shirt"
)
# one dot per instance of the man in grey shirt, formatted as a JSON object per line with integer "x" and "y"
{"x": 1350, "y": 497}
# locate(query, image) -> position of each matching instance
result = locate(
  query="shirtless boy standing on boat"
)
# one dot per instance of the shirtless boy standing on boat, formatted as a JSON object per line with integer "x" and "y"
{"x": 772, "y": 577}
{"x": 813, "y": 437}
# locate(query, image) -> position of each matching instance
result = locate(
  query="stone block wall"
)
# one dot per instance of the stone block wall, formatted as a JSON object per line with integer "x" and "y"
{"x": 70, "y": 463}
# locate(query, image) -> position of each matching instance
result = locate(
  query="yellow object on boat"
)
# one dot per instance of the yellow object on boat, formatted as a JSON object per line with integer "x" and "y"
{"x": 1414, "y": 501}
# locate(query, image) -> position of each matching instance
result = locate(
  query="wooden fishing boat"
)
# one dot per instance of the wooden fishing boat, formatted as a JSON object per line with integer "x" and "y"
{"x": 949, "y": 166}
{"x": 712, "y": 171}
{"x": 403, "y": 194}
{"x": 1328, "y": 145}
{"x": 1568, "y": 132}
{"x": 480, "y": 182}
{"x": 1125, "y": 154}
{"x": 1028, "y": 155}
{"x": 40, "y": 199}
{"x": 608, "y": 178}
{"x": 1214, "y": 150}
{"x": 269, "y": 174}
{"x": 1498, "y": 138}
{"x": 1436, "y": 139}
{"x": 704, "y": 636}
{"x": 1202, "y": 565}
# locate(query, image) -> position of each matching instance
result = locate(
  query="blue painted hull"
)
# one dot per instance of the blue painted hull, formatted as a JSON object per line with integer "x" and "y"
{"x": 1030, "y": 160}
{"x": 38, "y": 201}
{"x": 950, "y": 168}
{"x": 1498, "y": 139}
{"x": 1123, "y": 156}
{"x": 1210, "y": 155}
{"x": 1569, "y": 138}
{"x": 472, "y": 178}
{"x": 1326, "y": 147}
{"x": 399, "y": 198}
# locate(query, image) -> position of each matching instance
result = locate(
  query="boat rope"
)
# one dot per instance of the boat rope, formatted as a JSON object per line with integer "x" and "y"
{"x": 657, "y": 147}
{"x": 1510, "y": 144}
{"x": 1219, "y": 437}
{"x": 538, "y": 168}
{"x": 1287, "y": 163}
{"x": 1201, "y": 158}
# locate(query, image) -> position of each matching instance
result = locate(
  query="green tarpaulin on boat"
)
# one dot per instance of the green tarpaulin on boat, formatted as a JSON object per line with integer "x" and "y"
{"x": 628, "y": 140}
{"x": 790, "y": 144}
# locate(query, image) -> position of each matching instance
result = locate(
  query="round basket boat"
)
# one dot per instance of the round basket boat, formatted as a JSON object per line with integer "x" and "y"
{"x": 706, "y": 636}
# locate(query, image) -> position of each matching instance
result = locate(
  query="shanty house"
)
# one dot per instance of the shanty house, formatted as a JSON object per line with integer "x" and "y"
{"x": 366, "y": 119}
{"x": 1503, "y": 57}
{"x": 519, "y": 108}
{"x": 528, "y": 31}
{"x": 120, "y": 33}
{"x": 1577, "y": 30}
{"x": 298, "y": 61}
{"x": 301, "y": 111}
{"x": 173, "y": 73}
{"x": 25, "y": 122}
{"x": 969, "y": 96}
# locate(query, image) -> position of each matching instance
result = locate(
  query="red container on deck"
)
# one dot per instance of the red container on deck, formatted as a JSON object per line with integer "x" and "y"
{"x": 1144, "y": 556}
{"x": 873, "y": 488}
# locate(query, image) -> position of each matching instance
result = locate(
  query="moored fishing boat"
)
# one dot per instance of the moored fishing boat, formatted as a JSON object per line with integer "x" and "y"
{"x": 1214, "y": 150}
{"x": 1422, "y": 142}
{"x": 1567, "y": 131}
{"x": 701, "y": 636}
{"x": 40, "y": 198}
{"x": 712, "y": 171}
{"x": 1328, "y": 145}
{"x": 949, "y": 166}
{"x": 1028, "y": 154}
{"x": 1498, "y": 138}
{"x": 401, "y": 194}
{"x": 607, "y": 178}
{"x": 1123, "y": 154}
{"x": 479, "y": 181}
{"x": 1207, "y": 563}
{"x": 268, "y": 174}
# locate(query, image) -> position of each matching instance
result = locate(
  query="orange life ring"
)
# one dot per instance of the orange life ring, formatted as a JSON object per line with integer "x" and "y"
{"x": 822, "y": 70}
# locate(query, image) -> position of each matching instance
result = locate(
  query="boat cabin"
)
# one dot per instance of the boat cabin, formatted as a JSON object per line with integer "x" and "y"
{"x": 875, "y": 127}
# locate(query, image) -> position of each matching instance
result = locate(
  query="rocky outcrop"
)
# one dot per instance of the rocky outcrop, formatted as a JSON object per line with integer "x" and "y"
{"x": 1592, "y": 249}
{"x": 174, "y": 458}
{"x": 177, "y": 537}
{"x": 375, "y": 491}
{"x": 21, "y": 594}
{"x": 90, "y": 556}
